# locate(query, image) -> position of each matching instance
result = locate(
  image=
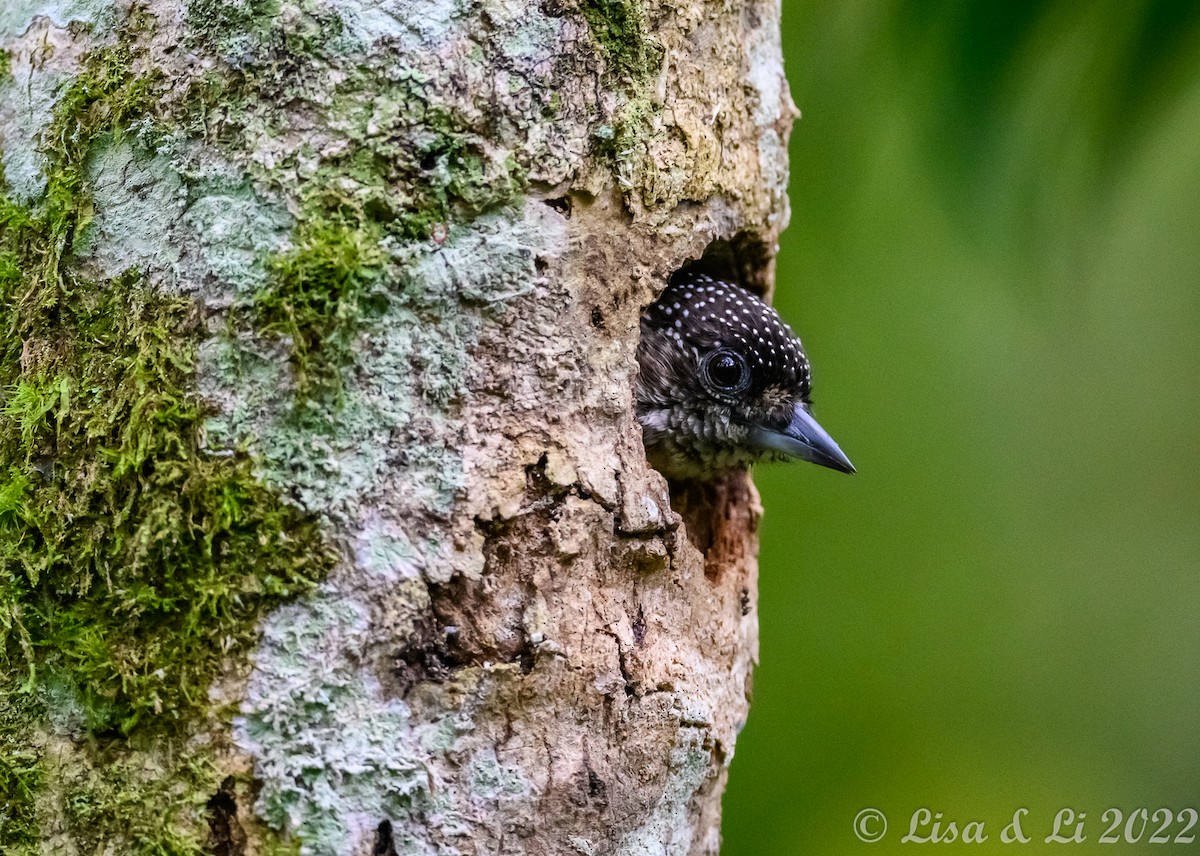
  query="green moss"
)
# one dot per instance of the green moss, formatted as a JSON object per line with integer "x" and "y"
{"x": 104, "y": 98}
{"x": 134, "y": 560}
{"x": 313, "y": 298}
{"x": 320, "y": 290}
{"x": 619, "y": 28}
{"x": 627, "y": 134}
{"x": 22, "y": 775}
{"x": 155, "y": 815}
{"x": 624, "y": 143}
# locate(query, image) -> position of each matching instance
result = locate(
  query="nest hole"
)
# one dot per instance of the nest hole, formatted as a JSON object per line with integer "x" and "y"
{"x": 745, "y": 260}
{"x": 717, "y": 515}
{"x": 718, "y": 512}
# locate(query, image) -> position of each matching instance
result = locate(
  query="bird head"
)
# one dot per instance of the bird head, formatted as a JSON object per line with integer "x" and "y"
{"x": 723, "y": 382}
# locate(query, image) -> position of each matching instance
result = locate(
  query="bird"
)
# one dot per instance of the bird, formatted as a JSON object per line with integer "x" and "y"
{"x": 722, "y": 383}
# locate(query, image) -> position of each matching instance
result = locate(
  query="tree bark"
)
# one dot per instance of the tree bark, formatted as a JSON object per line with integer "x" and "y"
{"x": 327, "y": 521}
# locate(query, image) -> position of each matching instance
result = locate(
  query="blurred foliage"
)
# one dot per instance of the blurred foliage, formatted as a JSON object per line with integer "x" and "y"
{"x": 994, "y": 261}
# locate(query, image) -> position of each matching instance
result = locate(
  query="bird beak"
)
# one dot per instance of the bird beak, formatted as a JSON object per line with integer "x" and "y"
{"x": 803, "y": 438}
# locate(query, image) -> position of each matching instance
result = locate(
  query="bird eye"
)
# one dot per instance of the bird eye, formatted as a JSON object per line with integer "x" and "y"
{"x": 727, "y": 371}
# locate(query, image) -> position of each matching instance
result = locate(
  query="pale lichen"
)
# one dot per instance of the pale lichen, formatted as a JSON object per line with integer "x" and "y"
{"x": 666, "y": 830}
{"x": 17, "y": 15}
{"x": 131, "y": 230}
{"x": 233, "y": 232}
{"x": 31, "y": 97}
{"x": 385, "y": 452}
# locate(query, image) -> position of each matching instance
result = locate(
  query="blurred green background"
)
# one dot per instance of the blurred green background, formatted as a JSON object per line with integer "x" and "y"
{"x": 994, "y": 262}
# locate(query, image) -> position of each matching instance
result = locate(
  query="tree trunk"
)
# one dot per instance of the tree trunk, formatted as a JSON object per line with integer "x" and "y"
{"x": 326, "y": 523}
